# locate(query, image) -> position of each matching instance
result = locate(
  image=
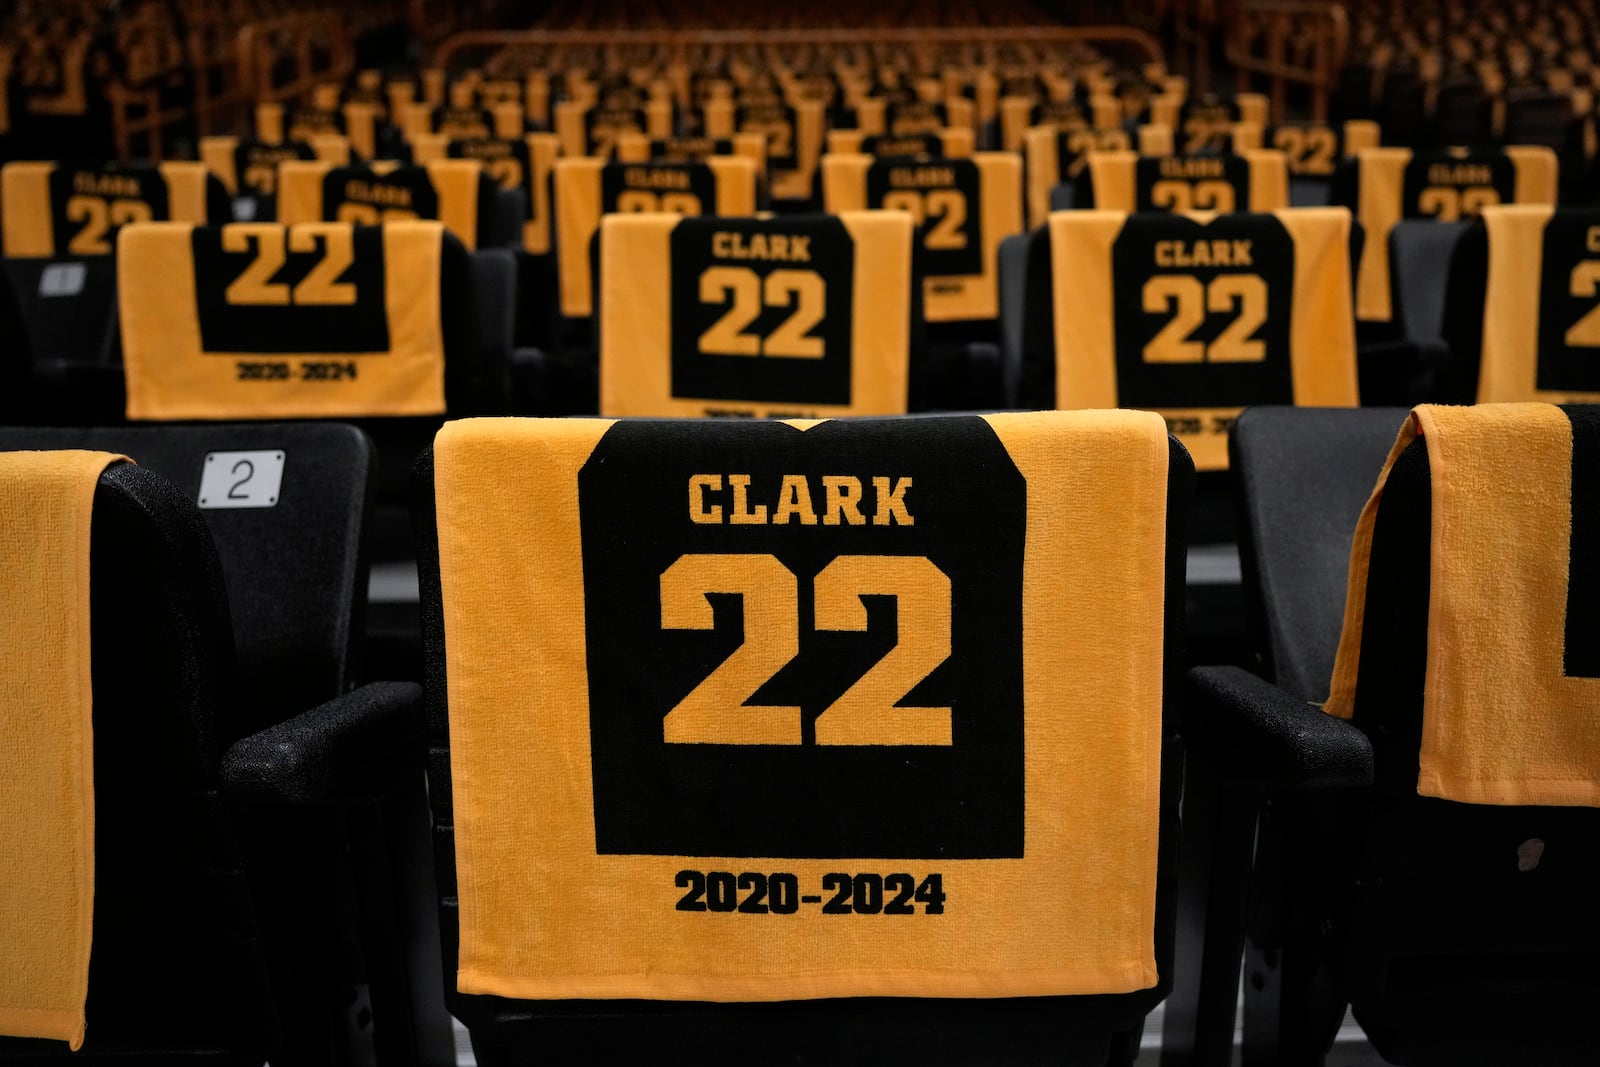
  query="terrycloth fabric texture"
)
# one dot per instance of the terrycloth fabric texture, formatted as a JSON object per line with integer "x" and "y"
{"x": 1132, "y": 297}
{"x": 669, "y": 286}
{"x": 1539, "y": 324}
{"x": 1503, "y": 721}
{"x": 200, "y": 342}
{"x": 46, "y": 742}
{"x": 609, "y": 752}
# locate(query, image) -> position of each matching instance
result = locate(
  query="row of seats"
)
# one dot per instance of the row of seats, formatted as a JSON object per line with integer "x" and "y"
{"x": 1369, "y": 882}
{"x": 67, "y": 301}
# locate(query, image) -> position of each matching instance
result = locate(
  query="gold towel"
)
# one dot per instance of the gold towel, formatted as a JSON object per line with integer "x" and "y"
{"x": 46, "y": 742}
{"x": 621, "y": 790}
{"x": 680, "y": 305}
{"x": 963, "y": 209}
{"x": 1054, "y": 156}
{"x": 445, "y": 189}
{"x": 1508, "y": 714}
{"x": 1250, "y": 181}
{"x": 1391, "y": 186}
{"x": 208, "y": 334}
{"x": 514, "y": 163}
{"x": 1192, "y": 333}
{"x": 722, "y": 185}
{"x": 951, "y": 142}
{"x": 58, "y": 209}
{"x": 1314, "y": 149}
{"x": 1541, "y": 332}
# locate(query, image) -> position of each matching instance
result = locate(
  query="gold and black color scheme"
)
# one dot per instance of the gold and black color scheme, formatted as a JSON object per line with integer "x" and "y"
{"x": 586, "y": 189}
{"x": 1012, "y": 563}
{"x": 1396, "y": 183}
{"x": 963, "y": 209}
{"x": 800, "y": 316}
{"x": 1199, "y": 317}
{"x": 263, "y": 320}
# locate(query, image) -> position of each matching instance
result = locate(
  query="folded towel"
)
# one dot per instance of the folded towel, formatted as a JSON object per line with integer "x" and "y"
{"x": 692, "y": 320}
{"x": 1197, "y": 317}
{"x": 1540, "y": 326}
{"x": 587, "y": 188}
{"x": 963, "y": 209}
{"x": 445, "y": 189}
{"x": 654, "y": 799}
{"x": 1395, "y": 183}
{"x": 1511, "y": 696}
{"x": 59, "y": 209}
{"x": 207, "y": 333}
{"x": 46, "y": 742}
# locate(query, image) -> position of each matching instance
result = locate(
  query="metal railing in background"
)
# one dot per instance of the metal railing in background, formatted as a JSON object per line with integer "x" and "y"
{"x": 1129, "y": 37}
{"x": 285, "y": 58}
{"x": 1289, "y": 44}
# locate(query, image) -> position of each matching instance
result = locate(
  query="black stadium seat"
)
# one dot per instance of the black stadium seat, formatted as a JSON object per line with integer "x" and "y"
{"x": 634, "y": 457}
{"x": 315, "y": 761}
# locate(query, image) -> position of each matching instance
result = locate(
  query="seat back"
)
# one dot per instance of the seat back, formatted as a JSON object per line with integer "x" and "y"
{"x": 951, "y": 142}
{"x": 1074, "y": 1028}
{"x": 1020, "y": 113}
{"x": 1199, "y": 317}
{"x": 799, "y": 316}
{"x": 1207, "y": 125}
{"x": 1417, "y": 247}
{"x": 171, "y": 909}
{"x": 397, "y": 337}
{"x": 1438, "y": 976}
{"x": 287, "y": 507}
{"x": 962, "y": 208}
{"x": 1302, "y": 476}
{"x": 60, "y": 227}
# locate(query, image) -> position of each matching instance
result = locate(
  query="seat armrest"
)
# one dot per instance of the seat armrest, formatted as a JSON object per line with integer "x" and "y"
{"x": 1249, "y": 732}
{"x": 355, "y": 747}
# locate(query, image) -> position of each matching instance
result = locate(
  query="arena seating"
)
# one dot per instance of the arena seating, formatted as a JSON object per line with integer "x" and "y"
{"x": 648, "y": 233}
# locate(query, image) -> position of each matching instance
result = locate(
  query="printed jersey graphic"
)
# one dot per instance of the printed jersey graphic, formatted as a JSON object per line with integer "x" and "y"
{"x": 1581, "y": 658}
{"x": 366, "y": 198}
{"x": 1450, "y": 188}
{"x": 89, "y": 204}
{"x": 785, "y": 652}
{"x": 759, "y": 315}
{"x": 255, "y": 165}
{"x": 1202, "y": 312}
{"x": 1569, "y": 305}
{"x": 679, "y": 188}
{"x": 944, "y": 198}
{"x": 506, "y": 161}
{"x": 264, "y": 288}
{"x": 1192, "y": 183}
